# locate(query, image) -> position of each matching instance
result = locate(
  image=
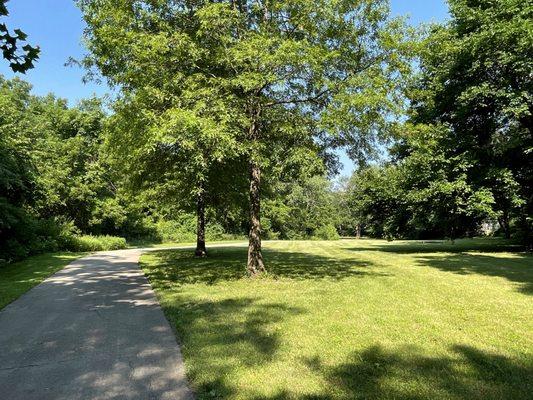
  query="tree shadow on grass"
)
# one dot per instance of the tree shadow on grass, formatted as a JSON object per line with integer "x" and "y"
{"x": 226, "y": 336}
{"x": 178, "y": 267}
{"x": 376, "y": 373}
{"x": 441, "y": 246}
{"x": 518, "y": 269}
{"x": 17, "y": 278}
{"x": 463, "y": 259}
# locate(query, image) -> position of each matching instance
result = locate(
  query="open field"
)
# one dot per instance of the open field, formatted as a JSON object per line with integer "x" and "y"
{"x": 353, "y": 319}
{"x": 17, "y": 278}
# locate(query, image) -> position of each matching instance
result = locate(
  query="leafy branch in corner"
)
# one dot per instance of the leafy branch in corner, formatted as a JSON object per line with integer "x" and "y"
{"x": 20, "y": 58}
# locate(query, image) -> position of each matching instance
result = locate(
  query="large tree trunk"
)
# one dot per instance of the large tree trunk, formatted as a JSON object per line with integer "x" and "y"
{"x": 200, "y": 225}
{"x": 255, "y": 264}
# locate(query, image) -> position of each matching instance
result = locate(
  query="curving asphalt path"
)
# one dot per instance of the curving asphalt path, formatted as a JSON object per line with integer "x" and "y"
{"x": 94, "y": 330}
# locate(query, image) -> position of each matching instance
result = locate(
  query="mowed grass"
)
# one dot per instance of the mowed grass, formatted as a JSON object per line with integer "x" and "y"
{"x": 17, "y": 278}
{"x": 353, "y": 319}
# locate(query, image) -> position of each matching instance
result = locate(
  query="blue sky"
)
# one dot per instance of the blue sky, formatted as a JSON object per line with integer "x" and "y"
{"x": 56, "y": 26}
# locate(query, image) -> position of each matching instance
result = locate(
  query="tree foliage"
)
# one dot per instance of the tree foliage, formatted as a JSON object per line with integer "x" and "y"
{"x": 271, "y": 74}
{"x": 20, "y": 57}
{"x": 465, "y": 154}
{"x": 476, "y": 81}
{"x": 51, "y": 174}
{"x": 235, "y": 109}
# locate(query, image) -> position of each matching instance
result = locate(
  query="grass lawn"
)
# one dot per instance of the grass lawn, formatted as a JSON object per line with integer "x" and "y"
{"x": 17, "y": 278}
{"x": 353, "y": 319}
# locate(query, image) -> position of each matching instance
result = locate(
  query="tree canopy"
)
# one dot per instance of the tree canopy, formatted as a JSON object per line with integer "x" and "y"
{"x": 293, "y": 73}
{"x": 464, "y": 156}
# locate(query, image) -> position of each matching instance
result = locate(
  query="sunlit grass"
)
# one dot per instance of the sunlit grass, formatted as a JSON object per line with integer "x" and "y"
{"x": 353, "y": 319}
{"x": 19, "y": 277}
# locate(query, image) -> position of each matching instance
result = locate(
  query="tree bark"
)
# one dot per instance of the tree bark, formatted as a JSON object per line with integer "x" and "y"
{"x": 200, "y": 251}
{"x": 527, "y": 225}
{"x": 358, "y": 231}
{"x": 504, "y": 223}
{"x": 452, "y": 224}
{"x": 255, "y": 263}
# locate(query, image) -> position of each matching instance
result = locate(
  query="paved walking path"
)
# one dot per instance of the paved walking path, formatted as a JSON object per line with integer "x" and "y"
{"x": 94, "y": 330}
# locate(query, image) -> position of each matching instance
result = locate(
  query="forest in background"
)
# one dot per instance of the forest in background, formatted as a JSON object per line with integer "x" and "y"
{"x": 158, "y": 165}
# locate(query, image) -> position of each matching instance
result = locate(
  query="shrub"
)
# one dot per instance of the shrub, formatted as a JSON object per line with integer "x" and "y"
{"x": 12, "y": 250}
{"x": 29, "y": 236}
{"x": 326, "y": 232}
{"x": 294, "y": 235}
{"x": 181, "y": 230}
{"x": 96, "y": 243}
{"x": 22, "y": 235}
{"x": 215, "y": 231}
{"x": 271, "y": 235}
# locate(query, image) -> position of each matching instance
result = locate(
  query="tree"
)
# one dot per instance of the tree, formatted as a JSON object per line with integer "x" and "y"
{"x": 376, "y": 200}
{"x": 476, "y": 83}
{"x": 285, "y": 71}
{"x": 332, "y": 65}
{"x": 301, "y": 209}
{"x": 172, "y": 123}
{"x": 438, "y": 194}
{"x": 51, "y": 175}
{"x": 346, "y": 224}
{"x": 19, "y": 61}
{"x": 182, "y": 152}
{"x": 422, "y": 192}
{"x": 16, "y": 174}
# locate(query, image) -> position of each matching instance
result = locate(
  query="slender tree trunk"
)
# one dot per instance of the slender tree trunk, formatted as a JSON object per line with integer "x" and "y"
{"x": 451, "y": 227}
{"x": 200, "y": 224}
{"x": 527, "y": 225}
{"x": 255, "y": 264}
{"x": 504, "y": 223}
{"x": 358, "y": 231}
{"x": 452, "y": 233}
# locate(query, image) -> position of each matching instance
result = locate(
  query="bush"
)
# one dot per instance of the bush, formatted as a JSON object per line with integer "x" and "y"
{"x": 26, "y": 236}
{"x": 96, "y": 243}
{"x": 215, "y": 231}
{"x": 271, "y": 235}
{"x": 326, "y": 232}
{"x": 294, "y": 235}
{"x": 22, "y": 235}
{"x": 181, "y": 230}
{"x": 12, "y": 250}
